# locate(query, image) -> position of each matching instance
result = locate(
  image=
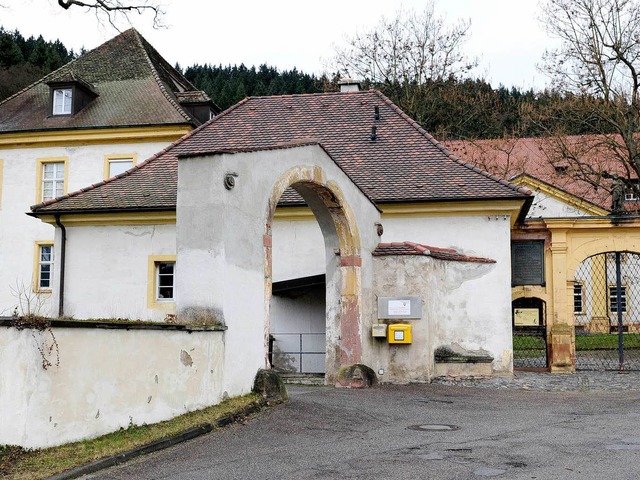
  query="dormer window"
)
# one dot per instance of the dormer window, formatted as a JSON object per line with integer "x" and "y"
{"x": 69, "y": 95}
{"x": 198, "y": 105}
{"x": 62, "y": 101}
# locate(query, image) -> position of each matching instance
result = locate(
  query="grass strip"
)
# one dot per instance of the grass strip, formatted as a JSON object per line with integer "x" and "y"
{"x": 20, "y": 464}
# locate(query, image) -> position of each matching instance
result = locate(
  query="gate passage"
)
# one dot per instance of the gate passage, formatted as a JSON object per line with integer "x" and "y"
{"x": 606, "y": 308}
{"x": 529, "y": 334}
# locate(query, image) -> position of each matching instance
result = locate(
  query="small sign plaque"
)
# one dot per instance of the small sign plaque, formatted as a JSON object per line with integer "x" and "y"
{"x": 526, "y": 317}
{"x": 399, "y": 307}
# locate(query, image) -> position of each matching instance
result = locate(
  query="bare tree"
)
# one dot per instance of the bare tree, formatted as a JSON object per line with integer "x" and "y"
{"x": 407, "y": 56}
{"x": 410, "y": 48}
{"x": 596, "y": 65}
{"x": 111, "y": 10}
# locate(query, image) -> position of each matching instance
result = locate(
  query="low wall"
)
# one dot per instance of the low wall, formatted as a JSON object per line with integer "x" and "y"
{"x": 105, "y": 376}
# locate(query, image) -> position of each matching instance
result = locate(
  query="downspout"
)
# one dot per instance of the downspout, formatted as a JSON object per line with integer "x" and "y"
{"x": 63, "y": 247}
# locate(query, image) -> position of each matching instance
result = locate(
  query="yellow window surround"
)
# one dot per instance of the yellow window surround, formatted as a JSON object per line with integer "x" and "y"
{"x": 40, "y": 163}
{"x": 108, "y": 159}
{"x": 35, "y": 287}
{"x": 152, "y": 283}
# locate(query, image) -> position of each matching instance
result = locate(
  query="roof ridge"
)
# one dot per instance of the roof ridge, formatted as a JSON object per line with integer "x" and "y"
{"x": 444, "y": 150}
{"x": 156, "y": 75}
{"x": 135, "y": 168}
{"x": 314, "y": 94}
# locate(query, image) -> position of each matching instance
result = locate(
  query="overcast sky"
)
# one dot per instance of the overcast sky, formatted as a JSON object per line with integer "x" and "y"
{"x": 505, "y": 34}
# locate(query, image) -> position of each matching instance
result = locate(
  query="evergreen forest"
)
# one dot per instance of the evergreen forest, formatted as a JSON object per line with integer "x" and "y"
{"x": 454, "y": 108}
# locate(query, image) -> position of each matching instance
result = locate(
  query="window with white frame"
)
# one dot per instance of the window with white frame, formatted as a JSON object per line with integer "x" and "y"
{"x": 45, "y": 266}
{"x": 121, "y": 165}
{"x": 165, "y": 276}
{"x": 613, "y": 299}
{"x": 578, "y": 305}
{"x": 52, "y": 180}
{"x": 62, "y": 98}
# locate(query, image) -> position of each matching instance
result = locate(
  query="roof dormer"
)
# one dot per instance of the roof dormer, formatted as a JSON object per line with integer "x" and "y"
{"x": 70, "y": 94}
{"x": 198, "y": 104}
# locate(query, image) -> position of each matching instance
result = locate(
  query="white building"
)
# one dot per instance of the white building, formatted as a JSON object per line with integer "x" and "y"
{"x": 90, "y": 120}
{"x": 330, "y": 214}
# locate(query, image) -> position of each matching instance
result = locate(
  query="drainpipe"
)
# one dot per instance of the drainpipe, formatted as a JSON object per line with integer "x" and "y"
{"x": 63, "y": 247}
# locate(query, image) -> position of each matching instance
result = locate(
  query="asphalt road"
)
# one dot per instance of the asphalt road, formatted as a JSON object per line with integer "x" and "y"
{"x": 381, "y": 433}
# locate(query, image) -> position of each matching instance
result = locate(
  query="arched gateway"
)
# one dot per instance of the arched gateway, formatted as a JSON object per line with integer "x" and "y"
{"x": 226, "y": 203}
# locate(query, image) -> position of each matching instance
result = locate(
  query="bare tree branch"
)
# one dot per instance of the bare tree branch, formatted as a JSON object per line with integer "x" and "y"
{"x": 111, "y": 10}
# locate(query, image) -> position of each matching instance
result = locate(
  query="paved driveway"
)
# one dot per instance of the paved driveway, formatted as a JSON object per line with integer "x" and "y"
{"x": 384, "y": 433}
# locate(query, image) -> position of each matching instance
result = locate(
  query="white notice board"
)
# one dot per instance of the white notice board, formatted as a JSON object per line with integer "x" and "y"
{"x": 399, "y": 307}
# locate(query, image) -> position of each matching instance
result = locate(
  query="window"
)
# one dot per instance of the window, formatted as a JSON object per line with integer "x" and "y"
{"x": 52, "y": 180}
{"x": 165, "y": 281}
{"x": 631, "y": 191}
{"x": 527, "y": 262}
{"x": 62, "y": 101}
{"x": 44, "y": 266}
{"x": 161, "y": 290}
{"x": 613, "y": 299}
{"x": 116, "y": 167}
{"x": 577, "y": 299}
{"x": 117, "y": 164}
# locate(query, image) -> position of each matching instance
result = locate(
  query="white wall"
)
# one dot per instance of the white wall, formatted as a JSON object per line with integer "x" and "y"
{"x": 546, "y": 206}
{"x": 298, "y": 249}
{"x": 106, "y": 274}
{"x": 476, "y": 312}
{"x": 470, "y": 305}
{"x": 18, "y": 232}
{"x": 105, "y": 380}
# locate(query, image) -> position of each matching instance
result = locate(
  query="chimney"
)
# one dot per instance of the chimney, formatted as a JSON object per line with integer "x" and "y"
{"x": 349, "y": 85}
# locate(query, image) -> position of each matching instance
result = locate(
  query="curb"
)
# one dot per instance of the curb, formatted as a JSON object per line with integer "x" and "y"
{"x": 158, "y": 444}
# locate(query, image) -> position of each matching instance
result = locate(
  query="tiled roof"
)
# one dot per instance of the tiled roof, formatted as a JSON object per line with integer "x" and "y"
{"x": 535, "y": 157}
{"x": 134, "y": 84}
{"x": 402, "y": 164}
{"x": 410, "y": 248}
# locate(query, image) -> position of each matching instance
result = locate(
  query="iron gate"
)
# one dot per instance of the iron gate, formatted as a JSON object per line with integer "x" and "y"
{"x": 529, "y": 334}
{"x": 606, "y": 306}
{"x": 297, "y": 353}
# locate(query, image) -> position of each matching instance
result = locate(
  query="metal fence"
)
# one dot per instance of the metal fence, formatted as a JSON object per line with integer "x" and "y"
{"x": 298, "y": 353}
{"x": 530, "y": 347}
{"x": 607, "y": 312}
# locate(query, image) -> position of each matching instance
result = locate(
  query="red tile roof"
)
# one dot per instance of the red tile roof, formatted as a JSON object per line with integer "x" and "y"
{"x": 410, "y": 248}
{"x": 536, "y": 157}
{"x": 403, "y": 164}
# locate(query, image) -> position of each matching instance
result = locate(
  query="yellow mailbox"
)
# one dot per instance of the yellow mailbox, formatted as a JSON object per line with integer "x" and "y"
{"x": 399, "y": 333}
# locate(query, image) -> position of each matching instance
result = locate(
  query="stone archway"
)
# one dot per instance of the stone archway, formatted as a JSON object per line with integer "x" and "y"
{"x": 225, "y": 209}
{"x": 343, "y": 262}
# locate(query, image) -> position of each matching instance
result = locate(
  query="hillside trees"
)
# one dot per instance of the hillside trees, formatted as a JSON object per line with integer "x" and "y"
{"x": 228, "y": 85}
{"x": 23, "y": 61}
